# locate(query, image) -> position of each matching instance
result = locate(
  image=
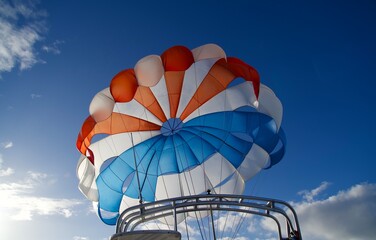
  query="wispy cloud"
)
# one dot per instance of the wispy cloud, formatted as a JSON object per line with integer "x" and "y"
{"x": 21, "y": 26}
{"x": 19, "y": 198}
{"x": 6, "y": 145}
{"x": 5, "y": 172}
{"x": 350, "y": 214}
{"x": 80, "y": 238}
{"x": 53, "y": 48}
{"x": 35, "y": 96}
{"x": 311, "y": 194}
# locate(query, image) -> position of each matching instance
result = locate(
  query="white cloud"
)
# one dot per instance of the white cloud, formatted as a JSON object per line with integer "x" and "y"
{"x": 17, "y": 41}
{"x": 310, "y": 195}
{"x": 5, "y": 172}
{"x": 80, "y": 238}
{"x": 6, "y": 145}
{"x": 35, "y": 96}
{"x": 36, "y": 176}
{"x": 226, "y": 222}
{"x": 53, "y": 48}
{"x": 350, "y": 214}
{"x": 19, "y": 199}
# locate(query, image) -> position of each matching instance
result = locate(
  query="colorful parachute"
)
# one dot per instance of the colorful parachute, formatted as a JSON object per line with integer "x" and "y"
{"x": 177, "y": 124}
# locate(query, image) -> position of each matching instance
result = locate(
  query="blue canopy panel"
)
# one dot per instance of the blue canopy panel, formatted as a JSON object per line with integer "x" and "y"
{"x": 231, "y": 134}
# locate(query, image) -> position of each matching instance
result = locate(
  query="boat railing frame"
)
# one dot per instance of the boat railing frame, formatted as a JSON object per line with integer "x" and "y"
{"x": 264, "y": 207}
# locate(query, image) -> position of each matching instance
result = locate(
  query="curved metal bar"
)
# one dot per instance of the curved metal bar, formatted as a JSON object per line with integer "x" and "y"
{"x": 133, "y": 216}
{"x": 180, "y": 212}
{"x": 206, "y": 207}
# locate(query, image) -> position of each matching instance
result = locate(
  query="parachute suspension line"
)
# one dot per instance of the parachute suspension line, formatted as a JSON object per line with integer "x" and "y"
{"x": 239, "y": 225}
{"x": 219, "y": 230}
{"x": 211, "y": 225}
{"x": 164, "y": 184}
{"x": 209, "y": 228}
{"x": 186, "y": 225}
{"x": 212, "y": 220}
{"x": 189, "y": 190}
{"x": 150, "y": 185}
{"x": 236, "y": 218}
{"x": 220, "y": 192}
{"x": 111, "y": 142}
{"x": 135, "y": 163}
{"x": 198, "y": 109}
{"x": 165, "y": 187}
{"x": 257, "y": 178}
{"x": 224, "y": 227}
{"x": 228, "y": 213}
{"x": 206, "y": 182}
{"x": 146, "y": 172}
{"x": 199, "y": 114}
{"x": 202, "y": 165}
{"x": 146, "y": 178}
{"x": 243, "y": 216}
{"x": 148, "y": 181}
{"x": 136, "y": 168}
{"x": 208, "y": 187}
{"x": 138, "y": 177}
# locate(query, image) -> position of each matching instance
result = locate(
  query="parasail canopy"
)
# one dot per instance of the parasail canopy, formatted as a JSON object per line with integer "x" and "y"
{"x": 178, "y": 124}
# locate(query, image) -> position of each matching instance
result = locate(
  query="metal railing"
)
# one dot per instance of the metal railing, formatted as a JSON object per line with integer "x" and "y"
{"x": 265, "y": 207}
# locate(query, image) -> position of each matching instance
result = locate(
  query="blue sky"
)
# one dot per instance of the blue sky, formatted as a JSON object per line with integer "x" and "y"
{"x": 319, "y": 58}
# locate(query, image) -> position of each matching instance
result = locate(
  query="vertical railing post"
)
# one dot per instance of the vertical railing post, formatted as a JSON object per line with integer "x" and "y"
{"x": 175, "y": 217}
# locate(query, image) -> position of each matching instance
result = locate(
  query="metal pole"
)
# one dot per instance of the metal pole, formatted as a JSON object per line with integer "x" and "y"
{"x": 175, "y": 217}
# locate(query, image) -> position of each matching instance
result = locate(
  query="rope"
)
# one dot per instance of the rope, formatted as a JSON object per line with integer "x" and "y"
{"x": 189, "y": 190}
{"x": 136, "y": 166}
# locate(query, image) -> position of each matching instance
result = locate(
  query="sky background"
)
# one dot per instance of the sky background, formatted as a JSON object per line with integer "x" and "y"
{"x": 319, "y": 57}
